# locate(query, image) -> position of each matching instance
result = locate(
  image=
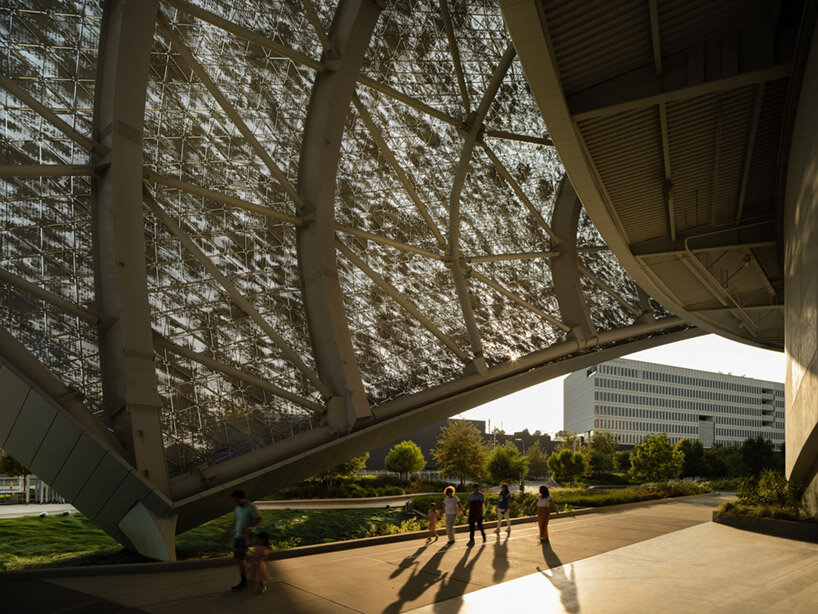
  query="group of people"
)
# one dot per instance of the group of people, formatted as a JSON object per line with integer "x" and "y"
{"x": 543, "y": 504}
{"x": 252, "y": 568}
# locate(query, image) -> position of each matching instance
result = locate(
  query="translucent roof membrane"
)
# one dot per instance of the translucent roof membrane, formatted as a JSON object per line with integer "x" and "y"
{"x": 216, "y": 183}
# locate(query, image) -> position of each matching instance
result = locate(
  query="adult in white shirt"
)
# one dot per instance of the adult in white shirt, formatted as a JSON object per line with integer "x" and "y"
{"x": 544, "y": 504}
{"x": 451, "y": 505}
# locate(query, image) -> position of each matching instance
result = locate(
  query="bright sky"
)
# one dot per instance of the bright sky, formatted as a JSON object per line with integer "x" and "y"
{"x": 540, "y": 407}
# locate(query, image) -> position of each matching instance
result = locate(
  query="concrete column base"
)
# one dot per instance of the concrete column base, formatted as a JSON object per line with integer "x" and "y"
{"x": 150, "y": 535}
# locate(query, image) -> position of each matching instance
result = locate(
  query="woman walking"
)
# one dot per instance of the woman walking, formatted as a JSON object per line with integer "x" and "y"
{"x": 504, "y": 508}
{"x": 451, "y": 505}
{"x": 544, "y": 504}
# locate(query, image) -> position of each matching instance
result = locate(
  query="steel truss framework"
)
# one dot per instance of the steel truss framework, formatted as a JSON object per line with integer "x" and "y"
{"x": 244, "y": 241}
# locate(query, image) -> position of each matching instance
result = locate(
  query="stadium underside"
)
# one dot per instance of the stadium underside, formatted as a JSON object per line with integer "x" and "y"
{"x": 243, "y": 242}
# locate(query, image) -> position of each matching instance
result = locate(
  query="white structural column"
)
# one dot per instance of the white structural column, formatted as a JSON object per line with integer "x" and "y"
{"x": 321, "y": 149}
{"x": 131, "y": 398}
{"x": 565, "y": 267}
{"x": 801, "y": 288}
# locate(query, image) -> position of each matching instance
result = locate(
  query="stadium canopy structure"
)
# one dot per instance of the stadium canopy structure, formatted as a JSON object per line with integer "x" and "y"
{"x": 244, "y": 241}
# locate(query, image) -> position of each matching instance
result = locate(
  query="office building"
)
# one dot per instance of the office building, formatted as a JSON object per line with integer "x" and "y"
{"x": 633, "y": 399}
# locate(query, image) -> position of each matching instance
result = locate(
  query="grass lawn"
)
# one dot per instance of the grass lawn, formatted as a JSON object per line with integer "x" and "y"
{"x": 60, "y": 541}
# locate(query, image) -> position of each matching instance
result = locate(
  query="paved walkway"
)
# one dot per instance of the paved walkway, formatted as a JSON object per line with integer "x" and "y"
{"x": 18, "y": 510}
{"x": 638, "y": 559}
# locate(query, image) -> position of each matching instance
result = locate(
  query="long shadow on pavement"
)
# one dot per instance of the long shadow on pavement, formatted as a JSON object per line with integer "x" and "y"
{"x": 564, "y": 582}
{"x": 455, "y": 584}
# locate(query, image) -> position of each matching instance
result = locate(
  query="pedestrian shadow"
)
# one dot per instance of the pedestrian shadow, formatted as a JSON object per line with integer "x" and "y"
{"x": 408, "y": 561}
{"x": 500, "y": 561}
{"x": 450, "y": 593}
{"x": 564, "y": 582}
{"x": 420, "y": 580}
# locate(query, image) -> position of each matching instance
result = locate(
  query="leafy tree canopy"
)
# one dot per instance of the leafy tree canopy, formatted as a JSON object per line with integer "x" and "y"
{"x": 11, "y": 466}
{"x": 603, "y": 446}
{"x": 655, "y": 460}
{"x": 505, "y": 463}
{"x": 460, "y": 450}
{"x": 404, "y": 459}
{"x": 537, "y": 460}
{"x": 693, "y": 464}
{"x": 567, "y": 465}
{"x": 346, "y": 469}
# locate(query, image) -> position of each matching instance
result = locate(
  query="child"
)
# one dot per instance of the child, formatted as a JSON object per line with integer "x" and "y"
{"x": 432, "y": 516}
{"x": 544, "y": 504}
{"x": 256, "y": 567}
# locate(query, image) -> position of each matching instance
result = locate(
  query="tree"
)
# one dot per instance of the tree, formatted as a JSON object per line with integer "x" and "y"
{"x": 460, "y": 450}
{"x": 622, "y": 460}
{"x": 537, "y": 460}
{"x": 346, "y": 469}
{"x": 655, "y": 460}
{"x": 757, "y": 454}
{"x": 605, "y": 445}
{"x": 11, "y": 466}
{"x": 570, "y": 441}
{"x": 505, "y": 463}
{"x": 693, "y": 464}
{"x": 567, "y": 465}
{"x": 404, "y": 459}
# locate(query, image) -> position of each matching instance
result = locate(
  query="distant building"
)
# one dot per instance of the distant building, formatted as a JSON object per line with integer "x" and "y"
{"x": 633, "y": 399}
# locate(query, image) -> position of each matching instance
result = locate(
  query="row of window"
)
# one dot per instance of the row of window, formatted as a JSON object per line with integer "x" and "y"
{"x": 650, "y": 427}
{"x": 673, "y": 378}
{"x": 620, "y": 371}
{"x": 696, "y": 406}
{"x": 745, "y": 433}
{"x": 671, "y": 416}
{"x": 604, "y": 382}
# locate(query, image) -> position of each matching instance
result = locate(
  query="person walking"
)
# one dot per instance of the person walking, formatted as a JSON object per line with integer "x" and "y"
{"x": 544, "y": 504}
{"x": 245, "y": 517}
{"x": 432, "y": 516}
{"x": 475, "y": 502}
{"x": 451, "y": 505}
{"x": 504, "y": 508}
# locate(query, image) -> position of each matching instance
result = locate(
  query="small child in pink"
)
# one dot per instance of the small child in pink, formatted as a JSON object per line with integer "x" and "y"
{"x": 256, "y": 566}
{"x": 432, "y": 516}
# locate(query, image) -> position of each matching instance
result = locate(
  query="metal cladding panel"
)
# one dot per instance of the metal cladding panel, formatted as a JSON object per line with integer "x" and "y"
{"x": 597, "y": 42}
{"x": 708, "y": 140}
{"x": 627, "y": 150}
{"x": 109, "y": 473}
{"x": 60, "y": 439}
{"x": 683, "y": 24}
{"x": 29, "y": 430}
{"x": 78, "y": 467}
{"x": 764, "y": 168}
{"x": 157, "y": 504}
{"x": 15, "y": 391}
{"x": 130, "y": 491}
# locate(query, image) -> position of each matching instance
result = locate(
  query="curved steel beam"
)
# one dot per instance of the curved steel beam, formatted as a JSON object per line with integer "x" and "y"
{"x": 131, "y": 398}
{"x": 318, "y": 168}
{"x": 471, "y": 127}
{"x": 565, "y": 267}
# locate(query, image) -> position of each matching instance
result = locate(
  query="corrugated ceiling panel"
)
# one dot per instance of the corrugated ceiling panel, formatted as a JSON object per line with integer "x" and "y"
{"x": 597, "y": 43}
{"x": 627, "y": 150}
{"x": 764, "y": 169}
{"x": 683, "y": 24}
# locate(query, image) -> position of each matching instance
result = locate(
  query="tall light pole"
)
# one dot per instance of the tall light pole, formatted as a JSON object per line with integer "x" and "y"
{"x": 522, "y": 477}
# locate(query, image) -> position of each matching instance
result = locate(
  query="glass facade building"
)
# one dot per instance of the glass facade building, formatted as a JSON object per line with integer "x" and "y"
{"x": 633, "y": 399}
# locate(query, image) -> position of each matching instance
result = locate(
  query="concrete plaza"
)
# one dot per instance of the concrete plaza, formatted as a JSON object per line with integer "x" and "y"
{"x": 661, "y": 555}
